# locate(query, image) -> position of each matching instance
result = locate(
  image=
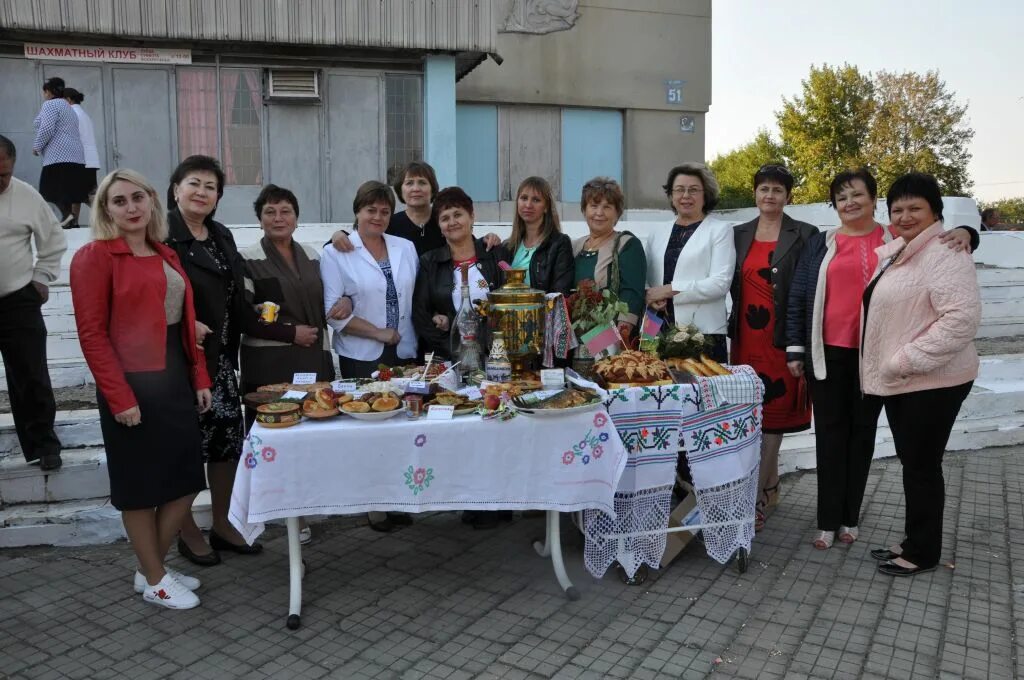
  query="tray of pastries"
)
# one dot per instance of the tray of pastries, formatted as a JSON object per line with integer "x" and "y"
{"x": 633, "y": 368}
{"x": 703, "y": 367}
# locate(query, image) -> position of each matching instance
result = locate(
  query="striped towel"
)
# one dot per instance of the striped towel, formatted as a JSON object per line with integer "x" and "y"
{"x": 744, "y": 386}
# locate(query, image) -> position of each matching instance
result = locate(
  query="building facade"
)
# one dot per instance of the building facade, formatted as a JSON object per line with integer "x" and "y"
{"x": 319, "y": 95}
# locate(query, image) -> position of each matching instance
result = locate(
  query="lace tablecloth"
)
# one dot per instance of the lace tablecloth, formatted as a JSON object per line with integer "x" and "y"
{"x": 717, "y": 423}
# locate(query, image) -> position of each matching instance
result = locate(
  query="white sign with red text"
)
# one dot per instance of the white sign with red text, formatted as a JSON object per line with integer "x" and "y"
{"x": 107, "y": 53}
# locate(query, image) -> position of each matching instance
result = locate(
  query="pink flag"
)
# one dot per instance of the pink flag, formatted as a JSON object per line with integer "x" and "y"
{"x": 600, "y": 338}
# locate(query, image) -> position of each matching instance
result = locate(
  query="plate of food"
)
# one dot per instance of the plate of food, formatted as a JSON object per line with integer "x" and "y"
{"x": 559, "y": 402}
{"x": 370, "y": 406}
{"x": 321, "y": 404}
{"x": 633, "y": 368}
{"x": 468, "y": 407}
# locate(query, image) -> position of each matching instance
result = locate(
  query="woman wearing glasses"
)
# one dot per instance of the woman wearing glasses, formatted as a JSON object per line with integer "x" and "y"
{"x": 767, "y": 249}
{"x": 823, "y": 337}
{"x": 690, "y": 266}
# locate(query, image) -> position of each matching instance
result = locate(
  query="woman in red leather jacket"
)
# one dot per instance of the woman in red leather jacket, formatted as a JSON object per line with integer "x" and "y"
{"x": 136, "y": 325}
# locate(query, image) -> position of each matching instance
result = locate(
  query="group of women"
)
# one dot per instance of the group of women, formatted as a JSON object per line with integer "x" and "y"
{"x": 167, "y": 309}
{"x": 67, "y": 143}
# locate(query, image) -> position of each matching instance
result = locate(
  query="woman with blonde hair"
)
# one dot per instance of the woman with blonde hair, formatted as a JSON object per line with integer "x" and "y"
{"x": 537, "y": 243}
{"x": 136, "y": 324}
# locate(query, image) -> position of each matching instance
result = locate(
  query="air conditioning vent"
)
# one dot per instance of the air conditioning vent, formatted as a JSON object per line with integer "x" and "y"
{"x": 294, "y": 84}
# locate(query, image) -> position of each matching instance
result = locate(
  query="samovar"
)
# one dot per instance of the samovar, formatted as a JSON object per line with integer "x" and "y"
{"x": 518, "y": 311}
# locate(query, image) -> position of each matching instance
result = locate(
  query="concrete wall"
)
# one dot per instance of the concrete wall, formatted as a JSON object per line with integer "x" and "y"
{"x": 619, "y": 55}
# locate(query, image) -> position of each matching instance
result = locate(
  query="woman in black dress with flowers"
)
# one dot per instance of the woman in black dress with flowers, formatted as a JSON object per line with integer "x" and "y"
{"x": 215, "y": 269}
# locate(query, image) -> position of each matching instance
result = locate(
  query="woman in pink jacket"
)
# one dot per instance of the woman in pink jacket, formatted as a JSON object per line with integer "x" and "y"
{"x": 921, "y": 312}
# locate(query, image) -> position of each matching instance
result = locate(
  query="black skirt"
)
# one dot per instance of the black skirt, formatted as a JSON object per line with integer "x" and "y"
{"x": 62, "y": 183}
{"x": 159, "y": 460}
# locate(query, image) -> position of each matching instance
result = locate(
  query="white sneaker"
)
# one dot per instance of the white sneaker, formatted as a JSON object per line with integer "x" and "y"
{"x": 170, "y": 594}
{"x": 190, "y": 582}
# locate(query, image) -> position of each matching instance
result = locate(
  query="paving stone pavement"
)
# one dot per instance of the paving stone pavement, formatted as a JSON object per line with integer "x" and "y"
{"x": 440, "y": 601}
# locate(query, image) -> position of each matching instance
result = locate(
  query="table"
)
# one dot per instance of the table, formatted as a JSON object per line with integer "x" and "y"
{"x": 716, "y": 422}
{"x": 566, "y": 463}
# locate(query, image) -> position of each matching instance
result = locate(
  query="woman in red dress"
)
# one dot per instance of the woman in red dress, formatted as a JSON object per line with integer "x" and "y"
{"x": 767, "y": 249}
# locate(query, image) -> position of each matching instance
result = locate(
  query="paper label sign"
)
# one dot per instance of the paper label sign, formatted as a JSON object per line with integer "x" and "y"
{"x": 418, "y": 387}
{"x": 470, "y": 392}
{"x": 304, "y": 378}
{"x": 552, "y": 377}
{"x": 294, "y": 394}
{"x": 440, "y": 412}
{"x": 344, "y": 386}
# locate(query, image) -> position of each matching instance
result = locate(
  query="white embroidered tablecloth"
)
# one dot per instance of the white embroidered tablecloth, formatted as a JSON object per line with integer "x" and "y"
{"x": 344, "y": 466}
{"x": 717, "y": 423}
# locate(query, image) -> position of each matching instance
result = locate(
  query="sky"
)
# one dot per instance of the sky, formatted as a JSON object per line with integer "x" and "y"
{"x": 761, "y": 51}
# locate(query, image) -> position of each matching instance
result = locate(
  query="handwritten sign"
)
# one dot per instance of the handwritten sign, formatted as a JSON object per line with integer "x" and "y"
{"x": 440, "y": 412}
{"x": 552, "y": 377}
{"x": 294, "y": 394}
{"x": 344, "y": 386}
{"x": 304, "y": 378}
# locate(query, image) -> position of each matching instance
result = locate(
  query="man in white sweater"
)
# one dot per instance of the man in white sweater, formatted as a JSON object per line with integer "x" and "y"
{"x": 24, "y": 288}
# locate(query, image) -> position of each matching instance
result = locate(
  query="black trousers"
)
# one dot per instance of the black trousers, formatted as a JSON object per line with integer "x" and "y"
{"x": 921, "y": 423}
{"x": 23, "y": 347}
{"x": 845, "y": 421}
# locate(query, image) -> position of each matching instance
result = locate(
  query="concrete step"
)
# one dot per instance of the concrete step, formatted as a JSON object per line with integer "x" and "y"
{"x": 82, "y": 476}
{"x": 75, "y": 429}
{"x": 70, "y": 523}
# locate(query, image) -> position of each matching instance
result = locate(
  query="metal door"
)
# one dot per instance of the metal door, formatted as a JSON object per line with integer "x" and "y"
{"x": 294, "y": 154}
{"x": 144, "y": 119}
{"x": 354, "y": 138}
{"x": 21, "y": 82}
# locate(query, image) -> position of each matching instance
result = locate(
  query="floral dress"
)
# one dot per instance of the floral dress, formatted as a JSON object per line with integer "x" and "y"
{"x": 786, "y": 406}
{"x": 222, "y": 426}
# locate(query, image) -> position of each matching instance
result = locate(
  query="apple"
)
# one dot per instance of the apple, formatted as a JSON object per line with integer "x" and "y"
{"x": 492, "y": 402}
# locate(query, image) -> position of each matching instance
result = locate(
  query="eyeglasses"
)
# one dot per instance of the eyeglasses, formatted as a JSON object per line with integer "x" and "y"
{"x": 600, "y": 185}
{"x": 687, "y": 191}
{"x": 772, "y": 167}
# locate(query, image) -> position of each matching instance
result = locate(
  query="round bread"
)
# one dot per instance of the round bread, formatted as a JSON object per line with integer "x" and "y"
{"x": 386, "y": 403}
{"x": 344, "y": 399}
{"x": 356, "y": 406}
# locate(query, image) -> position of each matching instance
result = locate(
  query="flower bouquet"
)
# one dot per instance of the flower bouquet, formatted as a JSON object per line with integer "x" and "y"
{"x": 590, "y": 309}
{"x": 685, "y": 342}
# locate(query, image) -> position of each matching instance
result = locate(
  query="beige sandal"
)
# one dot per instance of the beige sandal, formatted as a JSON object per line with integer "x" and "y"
{"x": 848, "y": 535}
{"x": 824, "y": 540}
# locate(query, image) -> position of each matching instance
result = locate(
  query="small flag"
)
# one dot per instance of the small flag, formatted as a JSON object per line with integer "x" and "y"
{"x": 652, "y": 324}
{"x": 601, "y": 338}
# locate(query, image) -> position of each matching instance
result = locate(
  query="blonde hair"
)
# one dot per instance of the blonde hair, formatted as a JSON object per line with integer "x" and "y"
{"x": 103, "y": 227}
{"x": 550, "y": 223}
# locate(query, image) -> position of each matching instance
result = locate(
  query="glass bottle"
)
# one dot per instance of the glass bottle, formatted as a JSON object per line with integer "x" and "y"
{"x": 499, "y": 368}
{"x": 467, "y": 325}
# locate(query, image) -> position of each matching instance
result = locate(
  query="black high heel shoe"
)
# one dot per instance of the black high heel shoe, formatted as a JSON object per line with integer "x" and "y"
{"x": 210, "y": 559}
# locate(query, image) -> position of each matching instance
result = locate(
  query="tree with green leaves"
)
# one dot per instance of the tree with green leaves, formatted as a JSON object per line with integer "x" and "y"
{"x": 1010, "y": 209}
{"x": 825, "y": 130}
{"x": 735, "y": 169}
{"x": 918, "y": 126}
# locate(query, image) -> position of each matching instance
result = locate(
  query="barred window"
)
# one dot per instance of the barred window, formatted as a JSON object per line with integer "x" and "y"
{"x": 221, "y": 117}
{"x": 403, "y": 114}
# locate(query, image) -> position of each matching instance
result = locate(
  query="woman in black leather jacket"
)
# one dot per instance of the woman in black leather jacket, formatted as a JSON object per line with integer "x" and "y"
{"x": 436, "y": 294}
{"x": 215, "y": 269}
{"x": 537, "y": 243}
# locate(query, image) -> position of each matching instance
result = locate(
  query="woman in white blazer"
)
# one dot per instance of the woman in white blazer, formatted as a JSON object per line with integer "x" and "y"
{"x": 378, "y": 275}
{"x": 690, "y": 265}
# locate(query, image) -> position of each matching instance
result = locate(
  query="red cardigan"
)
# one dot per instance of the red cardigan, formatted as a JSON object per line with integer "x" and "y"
{"x": 119, "y": 311}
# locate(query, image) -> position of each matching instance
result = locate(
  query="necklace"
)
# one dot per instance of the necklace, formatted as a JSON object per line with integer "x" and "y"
{"x": 595, "y": 244}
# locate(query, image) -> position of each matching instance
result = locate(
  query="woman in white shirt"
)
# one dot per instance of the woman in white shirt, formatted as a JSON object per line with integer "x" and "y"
{"x": 378, "y": 275}
{"x": 88, "y": 137}
{"x": 690, "y": 265}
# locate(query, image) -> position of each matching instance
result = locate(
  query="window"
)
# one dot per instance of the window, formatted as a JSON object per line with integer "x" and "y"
{"x": 220, "y": 117}
{"x": 403, "y": 114}
{"x": 476, "y": 146}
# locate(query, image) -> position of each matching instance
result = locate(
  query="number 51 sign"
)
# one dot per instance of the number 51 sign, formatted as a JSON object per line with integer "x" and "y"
{"x": 674, "y": 91}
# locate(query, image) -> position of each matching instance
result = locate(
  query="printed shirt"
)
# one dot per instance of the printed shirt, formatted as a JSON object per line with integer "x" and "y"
{"x": 478, "y": 287}
{"x": 57, "y": 136}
